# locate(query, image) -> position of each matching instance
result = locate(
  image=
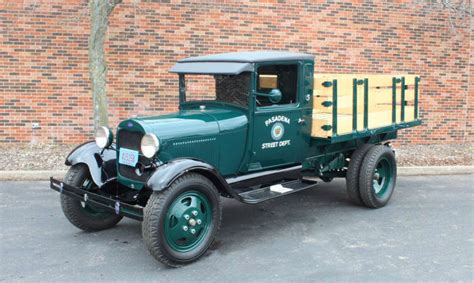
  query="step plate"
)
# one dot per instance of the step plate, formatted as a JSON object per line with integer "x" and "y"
{"x": 276, "y": 190}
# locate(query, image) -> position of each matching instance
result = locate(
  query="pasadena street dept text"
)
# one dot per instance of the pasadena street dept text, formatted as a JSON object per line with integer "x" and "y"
{"x": 275, "y": 144}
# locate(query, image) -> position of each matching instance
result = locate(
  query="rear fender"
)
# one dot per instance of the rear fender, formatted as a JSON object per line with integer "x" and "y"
{"x": 102, "y": 167}
{"x": 166, "y": 174}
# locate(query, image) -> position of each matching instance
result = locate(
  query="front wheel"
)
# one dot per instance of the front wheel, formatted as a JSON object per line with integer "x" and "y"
{"x": 181, "y": 223}
{"x": 79, "y": 213}
{"x": 378, "y": 176}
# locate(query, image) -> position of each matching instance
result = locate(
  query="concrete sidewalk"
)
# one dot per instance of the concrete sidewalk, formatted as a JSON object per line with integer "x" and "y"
{"x": 41, "y": 175}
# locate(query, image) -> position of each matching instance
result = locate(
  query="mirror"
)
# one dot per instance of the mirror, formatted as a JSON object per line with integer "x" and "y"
{"x": 275, "y": 96}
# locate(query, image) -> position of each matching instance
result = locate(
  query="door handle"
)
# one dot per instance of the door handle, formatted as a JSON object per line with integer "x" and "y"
{"x": 301, "y": 121}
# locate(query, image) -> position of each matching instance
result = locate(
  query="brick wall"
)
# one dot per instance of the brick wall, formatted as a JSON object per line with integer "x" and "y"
{"x": 44, "y": 65}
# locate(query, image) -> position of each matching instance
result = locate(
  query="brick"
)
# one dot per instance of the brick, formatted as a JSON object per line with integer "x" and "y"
{"x": 44, "y": 73}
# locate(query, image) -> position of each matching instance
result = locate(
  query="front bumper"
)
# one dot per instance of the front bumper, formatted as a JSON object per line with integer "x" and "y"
{"x": 113, "y": 205}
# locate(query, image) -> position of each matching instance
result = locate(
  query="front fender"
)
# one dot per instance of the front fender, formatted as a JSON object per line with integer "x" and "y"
{"x": 101, "y": 166}
{"x": 164, "y": 175}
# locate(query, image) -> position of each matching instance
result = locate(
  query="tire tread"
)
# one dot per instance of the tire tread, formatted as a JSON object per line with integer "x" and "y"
{"x": 366, "y": 176}
{"x": 152, "y": 213}
{"x": 70, "y": 206}
{"x": 352, "y": 176}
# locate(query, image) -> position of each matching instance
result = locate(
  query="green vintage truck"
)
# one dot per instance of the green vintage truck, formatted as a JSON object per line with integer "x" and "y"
{"x": 252, "y": 126}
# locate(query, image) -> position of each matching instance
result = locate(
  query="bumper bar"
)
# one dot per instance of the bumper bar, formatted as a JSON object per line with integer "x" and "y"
{"x": 113, "y": 205}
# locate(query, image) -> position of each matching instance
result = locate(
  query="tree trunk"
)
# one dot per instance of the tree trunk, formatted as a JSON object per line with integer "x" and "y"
{"x": 100, "y": 11}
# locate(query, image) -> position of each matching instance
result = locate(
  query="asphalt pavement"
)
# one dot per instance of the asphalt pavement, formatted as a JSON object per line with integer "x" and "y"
{"x": 425, "y": 233}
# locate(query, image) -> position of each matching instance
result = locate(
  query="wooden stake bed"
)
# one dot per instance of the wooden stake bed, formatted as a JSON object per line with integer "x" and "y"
{"x": 351, "y": 103}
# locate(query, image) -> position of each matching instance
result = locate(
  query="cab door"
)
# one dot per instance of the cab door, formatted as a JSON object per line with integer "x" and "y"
{"x": 280, "y": 130}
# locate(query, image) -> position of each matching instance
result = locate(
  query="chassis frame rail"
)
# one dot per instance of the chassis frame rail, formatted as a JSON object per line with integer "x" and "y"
{"x": 113, "y": 205}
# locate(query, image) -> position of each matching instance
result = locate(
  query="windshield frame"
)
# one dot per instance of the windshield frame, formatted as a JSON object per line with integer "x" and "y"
{"x": 182, "y": 93}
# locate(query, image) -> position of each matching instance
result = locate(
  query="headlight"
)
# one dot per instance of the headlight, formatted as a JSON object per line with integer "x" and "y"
{"x": 103, "y": 137}
{"x": 150, "y": 145}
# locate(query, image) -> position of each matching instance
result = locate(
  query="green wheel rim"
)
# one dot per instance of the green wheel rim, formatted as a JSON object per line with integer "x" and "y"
{"x": 383, "y": 177}
{"x": 188, "y": 221}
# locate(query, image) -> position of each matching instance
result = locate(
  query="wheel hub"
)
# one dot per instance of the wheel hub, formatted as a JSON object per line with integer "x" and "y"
{"x": 187, "y": 221}
{"x": 382, "y": 177}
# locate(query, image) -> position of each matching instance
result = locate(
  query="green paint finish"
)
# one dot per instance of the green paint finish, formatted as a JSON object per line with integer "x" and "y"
{"x": 394, "y": 100}
{"x": 337, "y": 163}
{"x": 417, "y": 83}
{"x": 334, "y": 107}
{"x": 280, "y": 134}
{"x": 366, "y": 103}
{"x": 402, "y": 102}
{"x": 326, "y": 127}
{"x": 188, "y": 221}
{"x": 136, "y": 185}
{"x": 216, "y": 135}
{"x": 327, "y": 103}
{"x": 354, "y": 105}
{"x": 327, "y": 84}
{"x": 383, "y": 177}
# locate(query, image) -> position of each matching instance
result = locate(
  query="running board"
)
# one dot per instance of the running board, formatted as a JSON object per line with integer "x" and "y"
{"x": 276, "y": 190}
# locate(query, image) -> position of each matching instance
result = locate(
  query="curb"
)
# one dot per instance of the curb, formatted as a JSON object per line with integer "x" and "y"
{"x": 31, "y": 175}
{"x": 435, "y": 170}
{"x": 43, "y": 175}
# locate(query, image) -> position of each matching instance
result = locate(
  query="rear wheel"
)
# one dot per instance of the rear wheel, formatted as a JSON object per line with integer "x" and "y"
{"x": 81, "y": 214}
{"x": 378, "y": 176}
{"x": 181, "y": 223}
{"x": 352, "y": 176}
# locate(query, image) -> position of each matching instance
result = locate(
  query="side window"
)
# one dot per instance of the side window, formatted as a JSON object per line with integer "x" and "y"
{"x": 233, "y": 89}
{"x": 280, "y": 79}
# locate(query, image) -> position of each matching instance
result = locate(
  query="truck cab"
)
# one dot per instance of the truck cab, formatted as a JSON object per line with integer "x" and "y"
{"x": 254, "y": 116}
{"x": 274, "y": 91}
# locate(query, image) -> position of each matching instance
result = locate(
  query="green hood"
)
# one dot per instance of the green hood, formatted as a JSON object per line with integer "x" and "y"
{"x": 196, "y": 134}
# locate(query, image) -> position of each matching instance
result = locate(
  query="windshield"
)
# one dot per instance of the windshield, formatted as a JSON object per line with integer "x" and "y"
{"x": 233, "y": 89}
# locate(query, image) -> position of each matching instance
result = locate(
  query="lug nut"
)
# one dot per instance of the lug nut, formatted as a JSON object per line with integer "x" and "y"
{"x": 199, "y": 221}
{"x": 193, "y": 231}
{"x": 185, "y": 228}
{"x": 186, "y": 217}
{"x": 195, "y": 213}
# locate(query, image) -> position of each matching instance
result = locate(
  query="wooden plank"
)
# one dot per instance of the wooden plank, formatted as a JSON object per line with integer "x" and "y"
{"x": 377, "y": 98}
{"x": 360, "y": 108}
{"x": 268, "y": 81}
{"x": 344, "y": 121}
{"x": 345, "y": 81}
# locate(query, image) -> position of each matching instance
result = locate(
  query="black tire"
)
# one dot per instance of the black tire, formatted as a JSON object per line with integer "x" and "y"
{"x": 379, "y": 159}
{"x": 352, "y": 175}
{"x": 86, "y": 218}
{"x": 159, "y": 207}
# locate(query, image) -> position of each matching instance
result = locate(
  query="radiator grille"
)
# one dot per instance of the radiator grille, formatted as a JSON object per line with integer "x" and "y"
{"x": 131, "y": 140}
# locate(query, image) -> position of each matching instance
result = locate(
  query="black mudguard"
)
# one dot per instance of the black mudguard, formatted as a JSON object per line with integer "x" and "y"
{"x": 164, "y": 175}
{"x": 101, "y": 166}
